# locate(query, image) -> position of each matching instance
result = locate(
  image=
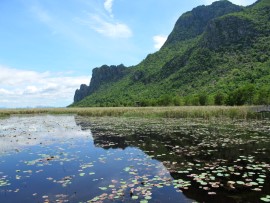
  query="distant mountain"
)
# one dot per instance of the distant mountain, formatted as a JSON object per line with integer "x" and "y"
{"x": 216, "y": 54}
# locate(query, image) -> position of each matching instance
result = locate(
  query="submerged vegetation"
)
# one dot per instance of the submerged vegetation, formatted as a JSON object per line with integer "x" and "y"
{"x": 223, "y": 162}
{"x": 207, "y": 112}
{"x": 65, "y": 158}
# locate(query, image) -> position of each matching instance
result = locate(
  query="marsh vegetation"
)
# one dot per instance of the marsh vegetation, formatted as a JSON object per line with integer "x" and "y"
{"x": 207, "y": 112}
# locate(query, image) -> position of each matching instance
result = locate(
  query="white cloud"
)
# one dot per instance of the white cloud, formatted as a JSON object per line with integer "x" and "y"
{"x": 159, "y": 40}
{"x": 31, "y": 90}
{"x": 11, "y": 77}
{"x": 108, "y": 6}
{"x": 238, "y": 2}
{"x": 108, "y": 27}
{"x": 21, "y": 88}
{"x": 104, "y": 23}
{"x": 4, "y": 92}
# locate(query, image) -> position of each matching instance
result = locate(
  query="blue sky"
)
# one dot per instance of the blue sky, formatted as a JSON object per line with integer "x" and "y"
{"x": 49, "y": 47}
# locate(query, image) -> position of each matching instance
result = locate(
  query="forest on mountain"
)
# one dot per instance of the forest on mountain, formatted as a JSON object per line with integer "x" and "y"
{"x": 215, "y": 55}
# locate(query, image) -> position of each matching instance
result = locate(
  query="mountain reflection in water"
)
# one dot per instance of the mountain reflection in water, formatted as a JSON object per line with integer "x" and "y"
{"x": 224, "y": 163}
{"x": 50, "y": 159}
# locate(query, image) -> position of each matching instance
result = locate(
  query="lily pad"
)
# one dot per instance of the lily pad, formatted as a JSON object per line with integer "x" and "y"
{"x": 264, "y": 199}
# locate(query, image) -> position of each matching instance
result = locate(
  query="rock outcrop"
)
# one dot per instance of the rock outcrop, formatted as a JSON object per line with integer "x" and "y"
{"x": 213, "y": 49}
{"x": 193, "y": 23}
{"x": 100, "y": 76}
{"x": 229, "y": 30}
{"x": 81, "y": 93}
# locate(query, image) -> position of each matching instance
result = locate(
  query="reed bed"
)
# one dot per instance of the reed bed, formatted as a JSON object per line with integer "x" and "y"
{"x": 205, "y": 112}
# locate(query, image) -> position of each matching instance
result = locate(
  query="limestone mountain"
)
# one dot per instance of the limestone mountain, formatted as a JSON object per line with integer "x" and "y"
{"x": 216, "y": 54}
{"x": 100, "y": 76}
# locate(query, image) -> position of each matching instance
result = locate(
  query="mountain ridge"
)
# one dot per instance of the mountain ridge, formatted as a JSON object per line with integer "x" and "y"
{"x": 227, "y": 55}
{"x": 193, "y": 23}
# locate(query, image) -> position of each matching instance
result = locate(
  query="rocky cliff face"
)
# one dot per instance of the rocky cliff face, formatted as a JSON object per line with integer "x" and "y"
{"x": 102, "y": 75}
{"x": 229, "y": 30}
{"x": 208, "y": 47}
{"x": 193, "y": 23}
{"x": 106, "y": 74}
{"x": 81, "y": 93}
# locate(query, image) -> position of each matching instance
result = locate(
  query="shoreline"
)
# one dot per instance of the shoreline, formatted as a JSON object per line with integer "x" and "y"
{"x": 205, "y": 112}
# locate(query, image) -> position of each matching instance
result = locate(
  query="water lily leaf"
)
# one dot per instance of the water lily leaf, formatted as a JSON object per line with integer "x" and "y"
{"x": 148, "y": 197}
{"x": 264, "y": 199}
{"x": 127, "y": 169}
{"x": 135, "y": 197}
{"x": 254, "y": 183}
{"x": 95, "y": 199}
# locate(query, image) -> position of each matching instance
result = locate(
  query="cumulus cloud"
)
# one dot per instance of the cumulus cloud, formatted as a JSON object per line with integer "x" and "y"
{"x": 159, "y": 40}
{"x": 11, "y": 77}
{"x": 108, "y": 6}
{"x": 31, "y": 90}
{"x": 238, "y": 2}
{"x": 21, "y": 88}
{"x": 5, "y": 92}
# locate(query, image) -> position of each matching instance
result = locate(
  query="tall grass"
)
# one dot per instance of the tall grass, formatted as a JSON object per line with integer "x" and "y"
{"x": 206, "y": 112}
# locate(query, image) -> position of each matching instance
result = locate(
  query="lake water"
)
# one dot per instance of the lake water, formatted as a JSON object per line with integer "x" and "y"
{"x": 78, "y": 159}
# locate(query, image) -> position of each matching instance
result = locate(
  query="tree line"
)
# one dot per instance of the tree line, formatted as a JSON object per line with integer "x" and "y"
{"x": 245, "y": 95}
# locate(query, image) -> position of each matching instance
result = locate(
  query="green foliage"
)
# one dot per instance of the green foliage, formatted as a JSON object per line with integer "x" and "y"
{"x": 241, "y": 96}
{"x": 202, "y": 99}
{"x": 193, "y": 23}
{"x": 195, "y": 67}
{"x": 263, "y": 96}
{"x": 177, "y": 101}
{"x": 165, "y": 100}
{"x": 219, "y": 98}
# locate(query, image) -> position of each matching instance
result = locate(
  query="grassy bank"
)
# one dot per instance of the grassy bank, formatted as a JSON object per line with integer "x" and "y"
{"x": 207, "y": 112}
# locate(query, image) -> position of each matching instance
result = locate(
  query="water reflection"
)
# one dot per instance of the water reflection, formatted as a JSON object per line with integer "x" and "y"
{"x": 50, "y": 159}
{"x": 223, "y": 163}
{"x": 21, "y": 132}
{"x": 67, "y": 159}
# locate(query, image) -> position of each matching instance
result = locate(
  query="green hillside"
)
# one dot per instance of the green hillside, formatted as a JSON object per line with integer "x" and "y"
{"x": 217, "y": 54}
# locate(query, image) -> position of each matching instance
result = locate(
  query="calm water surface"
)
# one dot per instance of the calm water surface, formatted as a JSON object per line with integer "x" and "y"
{"x": 78, "y": 159}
